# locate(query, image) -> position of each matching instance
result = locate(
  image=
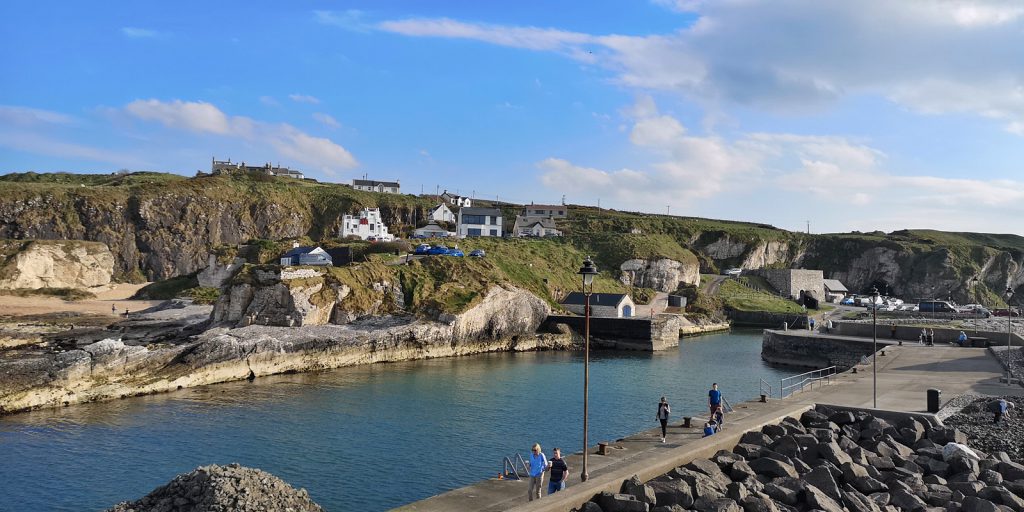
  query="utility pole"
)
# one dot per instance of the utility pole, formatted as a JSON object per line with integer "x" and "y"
{"x": 563, "y": 200}
{"x": 808, "y": 227}
{"x": 668, "y": 208}
{"x": 598, "y": 203}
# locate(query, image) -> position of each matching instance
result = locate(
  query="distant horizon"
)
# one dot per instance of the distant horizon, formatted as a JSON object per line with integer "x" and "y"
{"x": 858, "y": 116}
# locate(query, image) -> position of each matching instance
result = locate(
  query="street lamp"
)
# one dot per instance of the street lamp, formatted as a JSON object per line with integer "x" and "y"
{"x": 973, "y": 283}
{"x": 874, "y": 346}
{"x": 587, "y": 271}
{"x": 1009, "y": 330}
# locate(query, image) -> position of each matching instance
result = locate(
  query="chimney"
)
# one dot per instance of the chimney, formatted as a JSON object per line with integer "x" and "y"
{"x": 295, "y": 244}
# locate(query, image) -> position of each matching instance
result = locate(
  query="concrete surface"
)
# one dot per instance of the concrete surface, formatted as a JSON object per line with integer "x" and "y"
{"x": 905, "y": 373}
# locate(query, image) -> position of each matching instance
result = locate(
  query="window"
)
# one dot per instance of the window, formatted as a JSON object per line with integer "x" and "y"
{"x": 474, "y": 219}
{"x": 494, "y": 232}
{"x": 473, "y": 232}
{"x": 494, "y": 221}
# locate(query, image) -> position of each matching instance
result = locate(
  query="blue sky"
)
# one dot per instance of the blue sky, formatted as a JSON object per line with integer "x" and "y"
{"x": 853, "y": 115}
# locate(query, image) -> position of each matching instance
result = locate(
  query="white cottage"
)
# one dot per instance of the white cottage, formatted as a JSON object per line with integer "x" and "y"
{"x": 441, "y": 213}
{"x": 609, "y": 305}
{"x": 366, "y": 225}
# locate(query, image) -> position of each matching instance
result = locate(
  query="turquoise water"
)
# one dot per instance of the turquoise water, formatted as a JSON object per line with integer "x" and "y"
{"x": 363, "y": 438}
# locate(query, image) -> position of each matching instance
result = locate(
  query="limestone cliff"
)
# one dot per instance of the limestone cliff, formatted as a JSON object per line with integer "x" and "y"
{"x": 663, "y": 275}
{"x": 506, "y": 319}
{"x": 54, "y": 264}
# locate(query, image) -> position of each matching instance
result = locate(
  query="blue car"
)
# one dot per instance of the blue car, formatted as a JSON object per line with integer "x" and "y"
{"x": 422, "y": 249}
{"x": 479, "y": 253}
{"x": 437, "y": 250}
{"x": 847, "y": 301}
{"x": 456, "y": 252}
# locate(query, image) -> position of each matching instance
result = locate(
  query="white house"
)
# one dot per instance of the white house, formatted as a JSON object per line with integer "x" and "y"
{"x": 532, "y": 226}
{"x": 432, "y": 231}
{"x": 456, "y": 200}
{"x": 441, "y": 213}
{"x": 368, "y": 224}
{"x": 550, "y": 211}
{"x": 609, "y": 305}
{"x": 479, "y": 222}
{"x": 388, "y": 187}
{"x": 306, "y": 256}
{"x": 835, "y": 290}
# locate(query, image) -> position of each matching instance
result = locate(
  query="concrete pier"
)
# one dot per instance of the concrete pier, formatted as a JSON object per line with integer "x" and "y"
{"x": 904, "y": 375}
{"x": 645, "y": 334}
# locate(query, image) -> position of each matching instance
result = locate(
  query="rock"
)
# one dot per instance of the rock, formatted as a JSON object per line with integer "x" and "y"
{"x": 990, "y": 477}
{"x": 832, "y": 453}
{"x": 937, "y": 495}
{"x": 857, "y": 502}
{"x": 868, "y": 485}
{"x": 964, "y": 465}
{"x": 711, "y": 470}
{"x": 842, "y": 418}
{"x": 736, "y": 491}
{"x": 973, "y": 504}
{"x": 792, "y": 426}
{"x": 610, "y": 502}
{"x": 967, "y": 488}
{"x": 817, "y": 499}
{"x": 801, "y": 466}
{"x": 634, "y": 487}
{"x": 756, "y": 439}
{"x": 1011, "y": 470}
{"x": 1010, "y": 499}
{"x": 933, "y": 466}
{"x": 774, "y": 431}
{"x": 934, "y": 479}
{"x": 814, "y": 419}
{"x": 672, "y": 492}
{"x": 725, "y": 459}
{"x": 881, "y": 463}
{"x": 782, "y": 494}
{"x": 773, "y": 468}
{"x": 853, "y": 471}
{"x": 748, "y": 451}
{"x": 672, "y": 508}
{"x": 758, "y": 504}
{"x": 943, "y": 435}
{"x": 590, "y": 506}
{"x": 701, "y": 485}
{"x": 663, "y": 275}
{"x": 821, "y": 478}
{"x": 72, "y": 264}
{"x": 741, "y": 471}
{"x": 787, "y": 446}
{"x": 907, "y": 501}
{"x": 716, "y": 505}
{"x": 880, "y": 498}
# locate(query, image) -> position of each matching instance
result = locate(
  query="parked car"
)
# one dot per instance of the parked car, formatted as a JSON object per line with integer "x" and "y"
{"x": 477, "y": 253}
{"x": 1006, "y": 312}
{"x": 455, "y": 252}
{"x": 734, "y": 272}
{"x": 847, "y": 301}
{"x": 437, "y": 250}
{"x": 422, "y": 249}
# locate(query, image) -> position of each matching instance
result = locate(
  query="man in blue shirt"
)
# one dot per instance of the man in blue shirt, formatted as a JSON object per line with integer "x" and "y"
{"x": 714, "y": 399}
{"x": 1002, "y": 407}
{"x": 538, "y": 464}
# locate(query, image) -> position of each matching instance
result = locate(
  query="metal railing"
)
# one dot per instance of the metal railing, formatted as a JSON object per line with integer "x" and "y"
{"x": 510, "y": 470}
{"x": 790, "y": 385}
{"x": 765, "y": 388}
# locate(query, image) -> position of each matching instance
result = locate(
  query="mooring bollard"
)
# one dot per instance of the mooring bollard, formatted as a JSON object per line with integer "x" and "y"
{"x": 883, "y": 353}
{"x": 686, "y": 421}
{"x": 764, "y": 399}
{"x": 602, "y": 448}
{"x": 854, "y": 369}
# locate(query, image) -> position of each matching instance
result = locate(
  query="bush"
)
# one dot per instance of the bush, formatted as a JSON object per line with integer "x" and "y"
{"x": 204, "y": 294}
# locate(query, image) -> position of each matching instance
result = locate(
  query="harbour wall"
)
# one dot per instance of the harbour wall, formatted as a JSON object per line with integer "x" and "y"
{"x": 911, "y": 333}
{"x": 644, "y": 334}
{"x": 814, "y": 351}
{"x": 766, "y": 319}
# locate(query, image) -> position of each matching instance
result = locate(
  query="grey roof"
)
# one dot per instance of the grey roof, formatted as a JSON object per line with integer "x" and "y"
{"x": 545, "y": 223}
{"x": 431, "y": 227}
{"x": 297, "y": 251}
{"x": 596, "y": 299}
{"x": 374, "y": 183}
{"x": 834, "y": 285}
{"x": 493, "y": 212}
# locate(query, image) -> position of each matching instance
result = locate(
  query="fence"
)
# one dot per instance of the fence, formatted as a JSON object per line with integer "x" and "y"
{"x": 797, "y": 383}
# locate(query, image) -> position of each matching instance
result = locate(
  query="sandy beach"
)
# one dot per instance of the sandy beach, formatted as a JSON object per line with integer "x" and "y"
{"x": 118, "y": 297}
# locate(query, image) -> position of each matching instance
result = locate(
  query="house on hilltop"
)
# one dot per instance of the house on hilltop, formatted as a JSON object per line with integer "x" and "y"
{"x": 456, "y": 200}
{"x": 546, "y": 211}
{"x": 441, "y": 213}
{"x": 479, "y": 222}
{"x": 386, "y": 187}
{"x": 218, "y": 167}
{"x": 527, "y": 226}
{"x": 608, "y": 305}
{"x": 366, "y": 225}
{"x": 308, "y": 255}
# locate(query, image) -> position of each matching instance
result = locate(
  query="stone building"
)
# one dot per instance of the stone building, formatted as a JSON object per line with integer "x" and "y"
{"x": 607, "y": 305}
{"x": 794, "y": 283}
{"x": 835, "y": 290}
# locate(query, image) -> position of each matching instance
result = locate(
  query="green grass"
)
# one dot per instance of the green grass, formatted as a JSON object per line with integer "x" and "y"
{"x": 740, "y": 298}
{"x": 167, "y": 289}
{"x": 70, "y": 294}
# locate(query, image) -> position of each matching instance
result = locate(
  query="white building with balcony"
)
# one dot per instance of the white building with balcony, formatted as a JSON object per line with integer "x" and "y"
{"x": 367, "y": 225}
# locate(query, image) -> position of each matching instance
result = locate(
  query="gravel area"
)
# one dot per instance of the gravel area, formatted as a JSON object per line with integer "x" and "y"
{"x": 994, "y": 324}
{"x": 1014, "y": 359}
{"x": 974, "y": 418}
{"x": 223, "y": 488}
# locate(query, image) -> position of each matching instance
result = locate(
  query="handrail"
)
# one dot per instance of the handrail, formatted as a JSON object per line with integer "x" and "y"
{"x": 507, "y": 465}
{"x": 811, "y": 377}
{"x": 765, "y": 386}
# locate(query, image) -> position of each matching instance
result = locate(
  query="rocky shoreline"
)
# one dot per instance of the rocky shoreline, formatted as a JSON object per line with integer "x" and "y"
{"x": 833, "y": 460}
{"x": 80, "y": 368}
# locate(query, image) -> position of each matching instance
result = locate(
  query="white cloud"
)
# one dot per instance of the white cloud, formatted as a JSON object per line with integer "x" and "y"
{"x": 326, "y": 120}
{"x": 304, "y": 98}
{"x": 932, "y": 56}
{"x": 25, "y": 116}
{"x": 352, "y": 19}
{"x": 205, "y": 118}
{"x": 139, "y": 33}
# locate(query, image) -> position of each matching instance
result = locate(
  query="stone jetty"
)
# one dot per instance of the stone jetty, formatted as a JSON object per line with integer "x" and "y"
{"x": 834, "y": 460}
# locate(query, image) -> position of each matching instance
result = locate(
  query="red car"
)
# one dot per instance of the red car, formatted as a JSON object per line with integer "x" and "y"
{"x": 1006, "y": 312}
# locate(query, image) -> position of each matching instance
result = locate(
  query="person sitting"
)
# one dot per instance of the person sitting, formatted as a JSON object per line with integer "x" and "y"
{"x": 709, "y": 429}
{"x": 962, "y": 339}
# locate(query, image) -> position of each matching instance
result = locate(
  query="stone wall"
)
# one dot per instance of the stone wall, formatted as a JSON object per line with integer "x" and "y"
{"x": 644, "y": 334}
{"x": 809, "y": 351}
{"x": 790, "y": 282}
{"x": 911, "y": 333}
{"x": 766, "y": 319}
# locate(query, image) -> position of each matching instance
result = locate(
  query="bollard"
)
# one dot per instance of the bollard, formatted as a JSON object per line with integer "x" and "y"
{"x": 901, "y": 343}
{"x": 854, "y": 369}
{"x": 602, "y": 448}
{"x": 686, "y": 421}
{"x": 764, "y": 399}
{"x": 882, "y": 354}
{"x": 933, "y": 399}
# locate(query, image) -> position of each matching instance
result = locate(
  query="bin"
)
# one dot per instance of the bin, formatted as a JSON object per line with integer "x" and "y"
{"x": 933, "y": 399}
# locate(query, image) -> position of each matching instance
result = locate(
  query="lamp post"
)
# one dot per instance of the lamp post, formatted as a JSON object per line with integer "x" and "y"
{"x": 973, "y": 285}
{"x": 874, "y": 346}
{"x": 1009, "y": 330}
{"x": 587, "y": 271}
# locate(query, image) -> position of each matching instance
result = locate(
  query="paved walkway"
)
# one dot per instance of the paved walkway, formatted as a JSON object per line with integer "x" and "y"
{"x": 905, "y": 373}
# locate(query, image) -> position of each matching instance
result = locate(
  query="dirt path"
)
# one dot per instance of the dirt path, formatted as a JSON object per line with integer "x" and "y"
{"x": 713, "y": 285}
{"x": 101, "y": 305}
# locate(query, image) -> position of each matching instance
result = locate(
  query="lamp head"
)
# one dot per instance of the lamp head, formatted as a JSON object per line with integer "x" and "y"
{"x": 874, "y": 292}
{"x": 1009, "y": 292}
{"x": 588, "y": 271}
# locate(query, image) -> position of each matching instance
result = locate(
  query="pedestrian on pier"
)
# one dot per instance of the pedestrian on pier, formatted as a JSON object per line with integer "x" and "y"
{"x": 828, "y": 326}
{"x": 559, "y": 470}
{"x": 538, "y": 464}
{"x": 715, "y": 403}
{"x": 961, "y": 339}
{"x": 931, "y": 337}
{"x": 113, "y": 309}
{"x": 811, "y": 322}
{"x": 892, "y": 330}
{"x": 663, "y": 411}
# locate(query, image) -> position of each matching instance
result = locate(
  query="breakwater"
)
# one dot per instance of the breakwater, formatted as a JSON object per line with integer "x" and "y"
{"x": 766, "y": 319}
{"x": 644, "y": 334}
{"x": 812, "y": 350}
{"x": 910, "y": 332}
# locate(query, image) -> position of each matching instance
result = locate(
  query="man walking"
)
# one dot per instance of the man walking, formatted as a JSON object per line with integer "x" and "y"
{"x": 538, "y": 464}
{"x": 663, "y": 411}
{"x": 559, "y": 470}
{"x": 715, "y": 402}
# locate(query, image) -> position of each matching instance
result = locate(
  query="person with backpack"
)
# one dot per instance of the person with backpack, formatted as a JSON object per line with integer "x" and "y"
{"x": 559, "y": 470}
{"x": 663, "y": 412}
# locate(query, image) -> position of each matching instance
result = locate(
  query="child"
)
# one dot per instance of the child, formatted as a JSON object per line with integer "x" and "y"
{"x": 709, "y": 429}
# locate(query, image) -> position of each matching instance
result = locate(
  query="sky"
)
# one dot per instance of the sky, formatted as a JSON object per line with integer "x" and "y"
{"x": 867, "y": 115}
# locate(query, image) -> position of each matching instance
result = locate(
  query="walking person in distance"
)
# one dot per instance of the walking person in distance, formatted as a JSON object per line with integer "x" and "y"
{"x": 538, "y": 464}
{"x": 559, "y": 470}
{"x": 663, "y": 412}
{"x": 715, "y": 404}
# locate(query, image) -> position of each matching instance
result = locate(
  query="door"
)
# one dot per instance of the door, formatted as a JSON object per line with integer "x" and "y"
{"x": 627, "y": 311}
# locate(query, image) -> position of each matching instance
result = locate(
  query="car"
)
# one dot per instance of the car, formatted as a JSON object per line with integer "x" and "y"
{"x": 477, "y": 253}
{"x": 848, "y": 301}
{"x": 437, "y": 250}
{"x": 422, "y": 249}
{"x": 1006, "y": 312}
{"x": 734, "y": 272}
{"x": 455, "y": 252}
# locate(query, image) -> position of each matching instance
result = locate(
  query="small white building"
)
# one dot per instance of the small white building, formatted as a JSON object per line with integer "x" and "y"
{"x": 550, "y": 211}
{"x": 456, "y": 200}
{"x": 479, "y": 222}
{"x": 441, "y": 213}
{"x": 608, "y": 305}
{"x": 835, "y": 290}
{"x": 387, "y": 187}
{"x": 366, "y": 225}
{"x": 432, "y": 231}
{"x": 533, "y": 226}
{"x": 306, "y": 256}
